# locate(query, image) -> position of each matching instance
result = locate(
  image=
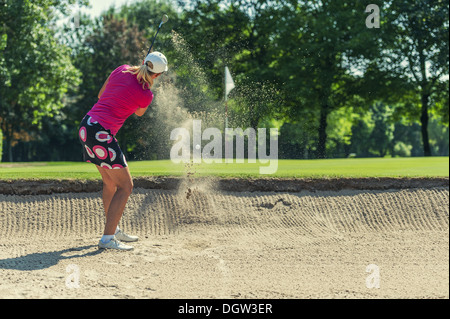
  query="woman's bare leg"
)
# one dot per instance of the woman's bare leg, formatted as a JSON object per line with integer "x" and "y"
{"x": 109, "y": 188}
{"x": 117, "y": 188}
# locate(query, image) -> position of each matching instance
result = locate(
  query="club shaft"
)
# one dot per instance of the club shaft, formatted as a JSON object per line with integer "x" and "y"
{"x": 151, "y": 46}
{"x": 160, "y": 25}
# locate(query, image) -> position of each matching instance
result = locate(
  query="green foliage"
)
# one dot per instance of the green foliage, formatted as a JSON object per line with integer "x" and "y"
{"x": 339, "y": 131}
{"x": 383, "y": 131}
{"x": 402, "y": 150}
{"x": 321, "y": 42}
{"x": 1, "y": 145}
{"x": 439, "y": 137}
{"x": 35, "y": 69}
{"x": 415, "y": 37}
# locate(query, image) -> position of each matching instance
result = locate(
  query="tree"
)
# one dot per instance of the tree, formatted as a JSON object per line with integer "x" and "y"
{"x": 319, "y": 46}
{"x": 1, "y": 145}
{"x": 383, "y": 131}
{"x": 417, "y": 45}
{"x": 35, "y": 70}
{"x": 3, "y": 70}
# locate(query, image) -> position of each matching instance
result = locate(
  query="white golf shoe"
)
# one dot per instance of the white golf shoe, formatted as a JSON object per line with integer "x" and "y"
{"x": 114, "y": 244}
{"x": 120, "y": 235}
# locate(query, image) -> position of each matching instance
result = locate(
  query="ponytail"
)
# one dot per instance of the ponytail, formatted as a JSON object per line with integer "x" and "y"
{"x": 143, "y": 74}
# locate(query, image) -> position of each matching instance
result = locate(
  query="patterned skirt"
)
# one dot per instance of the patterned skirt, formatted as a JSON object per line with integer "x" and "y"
{"x": 100, "y": 146}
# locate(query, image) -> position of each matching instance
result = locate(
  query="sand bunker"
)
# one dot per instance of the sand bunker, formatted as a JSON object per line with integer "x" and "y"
{"x": 207, "y": 244}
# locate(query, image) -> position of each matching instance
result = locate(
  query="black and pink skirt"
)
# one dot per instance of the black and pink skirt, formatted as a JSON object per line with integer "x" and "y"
{"x": 100, "y": 147}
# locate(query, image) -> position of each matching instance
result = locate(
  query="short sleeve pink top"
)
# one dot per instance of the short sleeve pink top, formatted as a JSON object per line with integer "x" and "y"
{"x": 121, "y": 98}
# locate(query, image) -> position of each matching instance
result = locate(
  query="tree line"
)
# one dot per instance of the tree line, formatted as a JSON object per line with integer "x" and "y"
{"x": 334, "y": 77}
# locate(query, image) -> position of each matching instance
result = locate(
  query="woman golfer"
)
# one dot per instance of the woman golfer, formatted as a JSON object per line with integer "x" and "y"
{"x": 125, "y": 92}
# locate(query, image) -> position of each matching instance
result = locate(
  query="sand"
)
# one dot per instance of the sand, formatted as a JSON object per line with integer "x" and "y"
{"x": 207, "y": 244}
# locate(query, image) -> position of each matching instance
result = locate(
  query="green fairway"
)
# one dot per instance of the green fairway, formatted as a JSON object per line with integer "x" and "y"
{"x": 370, "y": 167}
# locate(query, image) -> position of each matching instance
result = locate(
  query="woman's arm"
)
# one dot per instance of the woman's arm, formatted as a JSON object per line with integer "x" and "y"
{"x": 141, "y": 111}
{"x": 103, "y": 88}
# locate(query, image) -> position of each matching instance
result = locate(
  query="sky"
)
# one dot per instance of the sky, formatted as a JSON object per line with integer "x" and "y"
{"x": 98, "y": 6}
{"x": 95, "y": 8}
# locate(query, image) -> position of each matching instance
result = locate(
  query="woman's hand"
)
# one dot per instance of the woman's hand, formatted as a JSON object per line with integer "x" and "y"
{"x": 141, "y": 111}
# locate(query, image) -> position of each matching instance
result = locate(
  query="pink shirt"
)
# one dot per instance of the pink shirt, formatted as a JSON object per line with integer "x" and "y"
{"x": 121, "y": 98}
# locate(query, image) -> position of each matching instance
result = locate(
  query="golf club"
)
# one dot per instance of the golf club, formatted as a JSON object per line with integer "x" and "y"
{"x": 164, "y": 19}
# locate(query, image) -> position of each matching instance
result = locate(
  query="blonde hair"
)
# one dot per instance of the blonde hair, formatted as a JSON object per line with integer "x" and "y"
{"x": 143, "y": 74}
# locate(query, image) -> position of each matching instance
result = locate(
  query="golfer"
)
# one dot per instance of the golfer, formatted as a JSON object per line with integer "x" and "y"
{"x": 125, "y": 92}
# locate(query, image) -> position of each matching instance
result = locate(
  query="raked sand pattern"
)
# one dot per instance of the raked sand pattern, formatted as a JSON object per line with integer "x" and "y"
{"x": 204, "y": 244}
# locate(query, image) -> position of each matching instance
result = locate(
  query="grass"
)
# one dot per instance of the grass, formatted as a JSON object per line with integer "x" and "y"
{"x": 368, "y": 167}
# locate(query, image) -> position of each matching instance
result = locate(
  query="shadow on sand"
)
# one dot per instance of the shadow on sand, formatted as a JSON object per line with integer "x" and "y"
{"x": 37, "y": 261}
